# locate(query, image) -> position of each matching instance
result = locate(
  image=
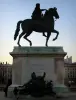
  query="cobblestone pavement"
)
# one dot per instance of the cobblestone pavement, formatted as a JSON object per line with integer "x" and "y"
{"x": 72, "y": 97}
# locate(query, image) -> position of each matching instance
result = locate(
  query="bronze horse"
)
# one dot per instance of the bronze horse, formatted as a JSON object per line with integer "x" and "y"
{"x": 42, "y": 26}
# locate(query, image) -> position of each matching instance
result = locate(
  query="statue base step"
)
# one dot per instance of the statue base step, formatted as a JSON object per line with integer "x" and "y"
{"x": 61, "y": 89}
{"x": 10, "y": 93}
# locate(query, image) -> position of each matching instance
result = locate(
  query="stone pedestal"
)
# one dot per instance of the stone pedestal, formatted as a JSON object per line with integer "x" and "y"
{"x": 39, "y": 60}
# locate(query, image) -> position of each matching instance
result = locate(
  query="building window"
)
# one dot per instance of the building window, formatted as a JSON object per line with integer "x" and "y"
{"x": 73, "y": 69}
{"x": 71, "y": 76}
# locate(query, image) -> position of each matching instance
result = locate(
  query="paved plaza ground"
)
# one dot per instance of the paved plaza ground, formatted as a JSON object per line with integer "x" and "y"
{"x": 2, "y": 96}
{"x": 71, "y": 97}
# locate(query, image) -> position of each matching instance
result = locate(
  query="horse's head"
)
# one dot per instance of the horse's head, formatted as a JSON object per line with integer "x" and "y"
{"x": 53, "y": 12}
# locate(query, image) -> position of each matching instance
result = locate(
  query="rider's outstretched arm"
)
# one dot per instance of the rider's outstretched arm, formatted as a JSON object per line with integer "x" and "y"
{"x": 43, "y": 9}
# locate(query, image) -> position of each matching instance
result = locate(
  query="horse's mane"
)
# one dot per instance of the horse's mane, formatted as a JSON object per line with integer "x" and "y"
{"x": 47, "y": 12}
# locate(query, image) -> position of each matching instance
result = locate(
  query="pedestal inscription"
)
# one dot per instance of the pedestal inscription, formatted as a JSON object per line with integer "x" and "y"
{"x": 39, "y": 65}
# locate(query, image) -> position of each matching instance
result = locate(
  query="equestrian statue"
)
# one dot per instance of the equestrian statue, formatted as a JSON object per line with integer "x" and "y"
{"x": 38, "y": 23}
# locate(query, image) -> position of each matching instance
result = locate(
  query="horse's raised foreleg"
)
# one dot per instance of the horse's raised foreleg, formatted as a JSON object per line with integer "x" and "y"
{"x": 25, "y": 37}
{"x": 56, "y": 35}
{"x": 48, "y": 36}
{"x": 20, "y": 38}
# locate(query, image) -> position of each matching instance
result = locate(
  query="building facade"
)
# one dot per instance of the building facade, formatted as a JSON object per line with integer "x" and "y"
{"x": 70, "y": 72}
{"x": 5, "y": 72}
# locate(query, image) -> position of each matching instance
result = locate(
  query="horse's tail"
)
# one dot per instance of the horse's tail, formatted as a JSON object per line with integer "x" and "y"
{"x": 17, "y": 29}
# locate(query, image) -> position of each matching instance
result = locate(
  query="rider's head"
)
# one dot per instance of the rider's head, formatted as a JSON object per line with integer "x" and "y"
{"x": 37, "y": 5}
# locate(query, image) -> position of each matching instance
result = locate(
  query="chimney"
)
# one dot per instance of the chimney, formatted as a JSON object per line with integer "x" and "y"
{"x": 6, "y": 62}
{"x": 70, "y": 59}
{"x": 3, "y": 62}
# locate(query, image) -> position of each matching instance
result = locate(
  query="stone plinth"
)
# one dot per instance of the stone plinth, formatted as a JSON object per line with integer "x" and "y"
{"x": 39, "y": 60}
